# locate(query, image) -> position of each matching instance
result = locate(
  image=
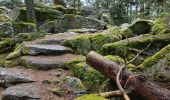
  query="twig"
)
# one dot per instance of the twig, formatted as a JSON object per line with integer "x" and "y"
{"x": 126, "y": 97}
{"x": 112, "y": 93}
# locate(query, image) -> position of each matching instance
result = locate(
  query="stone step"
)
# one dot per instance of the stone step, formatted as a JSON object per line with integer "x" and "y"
{"x": 40, "y": 49}
{"x": 22, "y": 92}
{"x": 56, "y": 38}
{"x": 47, "y": 62}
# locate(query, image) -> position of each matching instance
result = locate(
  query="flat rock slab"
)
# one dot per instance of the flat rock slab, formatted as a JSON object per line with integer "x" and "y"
{"x": 46, "y": 62}
{"x": 56, "y": 38}
{"x": 9, "y": 78}
{"x": 38, "y": 49}
{"x": 21, "y": 92}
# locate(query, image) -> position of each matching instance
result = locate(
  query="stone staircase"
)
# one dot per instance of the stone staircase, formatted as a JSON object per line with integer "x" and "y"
{"x": 47, "y": 53}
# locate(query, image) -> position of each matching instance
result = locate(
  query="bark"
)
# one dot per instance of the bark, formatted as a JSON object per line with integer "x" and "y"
{"x": 30, "y": 14}
{"x": 138, "y": 84}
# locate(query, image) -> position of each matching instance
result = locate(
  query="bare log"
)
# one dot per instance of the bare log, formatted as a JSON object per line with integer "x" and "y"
{"x": 137, "y": 84}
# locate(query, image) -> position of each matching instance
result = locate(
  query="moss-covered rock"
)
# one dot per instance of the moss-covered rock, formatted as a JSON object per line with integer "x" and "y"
{"x": 23, "y": 27}
{"x": 141, "y": 26}
{"x": 75, "y": 85}
{"x": 7, "y": 45}
{"x": 72, "y": 63}
{"x": 17, "y": 52}
{"x": 30, "y": 36}
{"x": 91, "y": 78}
{"x": 160, "y": 27}
{"x": 90, "y": 97}
{"x": 82, "y": 44}
{"x": 71, "y": 21}
{"x": 49, "y": 27}
{"x": 130, "y": 47}
{"x": 42, "y": 14}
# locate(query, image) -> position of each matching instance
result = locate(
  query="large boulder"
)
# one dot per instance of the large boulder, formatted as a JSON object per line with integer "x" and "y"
{"x": 43, "y": 15}
{"x": 71, "y": 21}
{"x": 23, "y": 27}
{"x": 141, "y": 26}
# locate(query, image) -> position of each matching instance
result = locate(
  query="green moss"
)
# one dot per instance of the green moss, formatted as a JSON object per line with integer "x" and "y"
{"x": 70, "y": 16}
{"x": 58, "y": 7}
{"x": 82, "y": 44}
{"x": 161, "y": 77}
{"x": 154, "y": 59}
{"x": 91, "y": 78}
{"x": 4, "y": 19}
{"x": 90, "y": 97}
{"x": 23, "y": 27}
{"x": 6, "y": 45}
{"x": 30, "y": 36}
{"x": 160, "y": 27}
{"x": 124, "y": 48}
{"x": 2, "y": 60}
{"x": 42, "y": 14}
{"x": 57, "y": 91}
{"x": 72, "y": 63}
{"x": 9, "y": 64}
{"x": 16, "y": 53}
{"x": 115, "y": 59}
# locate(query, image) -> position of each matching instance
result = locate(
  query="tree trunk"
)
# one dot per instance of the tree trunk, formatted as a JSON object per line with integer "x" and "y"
{"x": 30, "y": 14}
{"x": 137, "y": 84}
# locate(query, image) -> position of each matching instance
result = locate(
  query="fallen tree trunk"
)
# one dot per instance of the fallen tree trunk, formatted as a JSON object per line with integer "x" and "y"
{"x": 136, "y": 84}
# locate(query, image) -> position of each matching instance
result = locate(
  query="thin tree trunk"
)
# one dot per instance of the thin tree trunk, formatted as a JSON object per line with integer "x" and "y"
{"x": 30, "y": 14}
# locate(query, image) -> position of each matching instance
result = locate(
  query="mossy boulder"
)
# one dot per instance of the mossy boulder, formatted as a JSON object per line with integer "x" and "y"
{"x": 90, "y": 97}
{"x": 160, "y": 27}
{"x": 6, "y": 30}
{"x": 90, "y": 77}
{"x": 30, "y": 36}
{"x": 49, "y": 27}
{"x": 75, "y": 85}
{"x": 72, "y": 63}
{"x": 43, "y": 14}
{"x": 106, "y": 17}
{"x": 23, "y": 27}
{"x": 141, "y": 26}
{"x": 158, "y": 66}
{"x": 7, "y": 45}
{"x": 71, "y": 21}
{"x": 82, "y": 44}
{"x": 128, "y": 48}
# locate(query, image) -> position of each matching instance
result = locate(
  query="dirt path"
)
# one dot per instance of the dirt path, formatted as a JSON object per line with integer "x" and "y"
{"x": 40, "y": 76}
